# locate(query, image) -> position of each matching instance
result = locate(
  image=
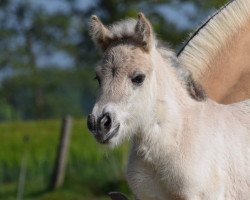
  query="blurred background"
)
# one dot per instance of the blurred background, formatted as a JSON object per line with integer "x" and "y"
{"x": 46, "y": 72}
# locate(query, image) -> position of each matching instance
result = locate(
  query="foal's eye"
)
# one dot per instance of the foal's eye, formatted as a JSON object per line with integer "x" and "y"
{"x": 98, "y": 79}
{"x": 138, "y": 79}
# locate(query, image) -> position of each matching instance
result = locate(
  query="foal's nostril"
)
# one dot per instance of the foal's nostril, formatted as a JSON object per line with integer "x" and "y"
{"x": 91, "y": 122}
{"x": 105, "y": 123}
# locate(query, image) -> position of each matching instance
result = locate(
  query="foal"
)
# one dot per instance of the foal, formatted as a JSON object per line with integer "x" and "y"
{"x": 184, "y": 145}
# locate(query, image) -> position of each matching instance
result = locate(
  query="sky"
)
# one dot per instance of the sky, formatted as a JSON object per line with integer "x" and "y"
{"x": 59, "y": 5}
{"x": 178, "y": 14}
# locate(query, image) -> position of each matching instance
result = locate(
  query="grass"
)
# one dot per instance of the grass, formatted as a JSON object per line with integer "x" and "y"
{"x": 92, "y": 170}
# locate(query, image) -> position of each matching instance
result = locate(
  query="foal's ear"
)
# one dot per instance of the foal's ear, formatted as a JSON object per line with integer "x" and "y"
{"x": 99, "y": 33}
{"x": 144, "y": 32}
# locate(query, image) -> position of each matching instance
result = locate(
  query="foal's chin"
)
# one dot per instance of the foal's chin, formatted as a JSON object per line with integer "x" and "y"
{"x": 108, "y": 137}
{"x": 116, "y": 140}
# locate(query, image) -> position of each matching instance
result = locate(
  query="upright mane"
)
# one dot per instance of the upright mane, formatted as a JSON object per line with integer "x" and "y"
{"x": 208, "y": 40}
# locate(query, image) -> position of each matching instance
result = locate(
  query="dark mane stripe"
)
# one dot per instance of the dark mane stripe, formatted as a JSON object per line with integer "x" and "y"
{"x": 202, "y": 26}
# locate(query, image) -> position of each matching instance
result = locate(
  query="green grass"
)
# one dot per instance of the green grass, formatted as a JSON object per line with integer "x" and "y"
{"x": 92, "y": 169}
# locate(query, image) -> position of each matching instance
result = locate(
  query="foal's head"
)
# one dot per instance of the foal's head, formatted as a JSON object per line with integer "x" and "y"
{"x": 127, "y": 79}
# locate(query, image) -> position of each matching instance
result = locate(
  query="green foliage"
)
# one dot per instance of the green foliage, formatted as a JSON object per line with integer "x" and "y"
{"x": 210, "y": 4}
{"x": 7, "y": 112}
{"x": 92, "y": 169}
{"x": 60, "y": 92}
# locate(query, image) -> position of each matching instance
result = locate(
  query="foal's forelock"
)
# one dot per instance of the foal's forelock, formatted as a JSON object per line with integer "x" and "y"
{"x": 130, "y": 30}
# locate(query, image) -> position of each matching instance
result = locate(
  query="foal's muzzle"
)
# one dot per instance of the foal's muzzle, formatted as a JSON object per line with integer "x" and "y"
{"x": 103, "y": 127}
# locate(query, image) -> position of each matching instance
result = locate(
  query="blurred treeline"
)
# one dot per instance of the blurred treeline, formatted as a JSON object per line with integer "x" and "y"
{"x": 47, "y": 58}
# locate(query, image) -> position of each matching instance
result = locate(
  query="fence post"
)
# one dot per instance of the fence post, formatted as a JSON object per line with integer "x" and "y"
{"x": 23, "y": 170}
{"x": 61, "y": 156}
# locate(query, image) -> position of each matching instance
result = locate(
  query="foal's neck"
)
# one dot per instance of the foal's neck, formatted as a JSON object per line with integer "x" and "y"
{"x": 173, "y": 99}
{"x": 173, "y": 107}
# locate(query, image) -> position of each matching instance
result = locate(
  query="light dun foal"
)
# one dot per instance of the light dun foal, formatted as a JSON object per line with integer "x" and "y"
{"x": 185, "y": 146}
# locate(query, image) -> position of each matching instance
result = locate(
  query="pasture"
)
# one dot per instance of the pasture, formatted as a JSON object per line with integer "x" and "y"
{"x": 92, "y": 170}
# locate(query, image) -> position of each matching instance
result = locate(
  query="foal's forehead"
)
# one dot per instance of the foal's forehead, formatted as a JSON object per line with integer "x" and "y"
{"x": 126, "y": 58}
